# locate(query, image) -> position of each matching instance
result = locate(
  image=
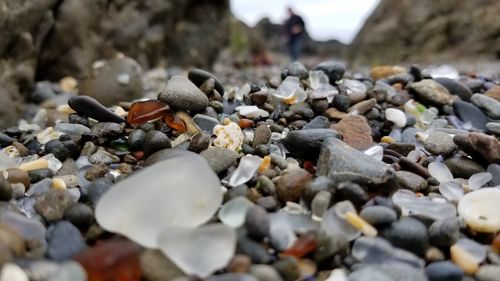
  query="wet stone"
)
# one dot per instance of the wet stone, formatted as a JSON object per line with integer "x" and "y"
{"x": 39, "y": 174}
{"x": 352, "y": 192}
{"x": 355, "y": 131}
{"x": 265, "y": 273}
{"x": 494, "y": 92}
{"x": 342, "y": 102}
{"x": 288, "y": 268}
{"x": 65, "y": 241}
{"x": 306, "y": 143}
{"x": 52, "y": 204}
{"x": 439, "y": 143}
{"x": 376, "y": 215}
{"x": 411, "y": 181}
{"x": 182, "y": 94}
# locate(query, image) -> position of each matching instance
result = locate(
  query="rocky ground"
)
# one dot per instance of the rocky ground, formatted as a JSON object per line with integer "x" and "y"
{"x": 317, "y": 173}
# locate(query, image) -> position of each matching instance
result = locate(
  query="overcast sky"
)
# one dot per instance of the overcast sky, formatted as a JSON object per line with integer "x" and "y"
{"x": 325, "y": 19}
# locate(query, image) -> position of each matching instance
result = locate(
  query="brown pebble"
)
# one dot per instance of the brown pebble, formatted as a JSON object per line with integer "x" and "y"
{"x": 23, "y": 151}
{"x": 479, "y": 146}
{"x": 363, "y": 107}
{"x": 333, "y": 113}
{"x": 18, "y": 176}
{"x": 384, "y": 71}
{"x": 12, "y": 239}
{"x": 495, "y": 244}
{"x": 291, "y": 184}
{"x": 96, "y": 171}
{"x": 494, "y": 92}
{"x": 434, "y": 254}
{"x": 239, "y": 264}
{"x": 355, "y": 131}
{"x": 408, "y": 165}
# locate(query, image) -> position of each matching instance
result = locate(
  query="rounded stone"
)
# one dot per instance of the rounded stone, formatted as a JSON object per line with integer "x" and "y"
{"x": 198, "y": 77}
{"x": 79, "y": 214}
{"x": 262, "y": 135}
{"x": 455, "y": 87}
{"x": 182, "y": 94}
{"x": 333, "y": 69}
{"x": 295, "y": 69}
{"x": 154, "y": 141}
{"x": 62, "y": 149}
{"x": 156, "y": 267}
{"x": 355, "y": 131}
{"x": 376, "y": 215}
{"x": 291, "y": 184}
{"x": 411, "y": 181}
{"x": 199, "y": 142}
{"x": 136, "y": 139}
{"x": 257, "y": 223}
{"x": 352, "y": 192}
{"x": 439, "y": 143}
{"x": 431, "y": 92}
{"x": 265, "y": 272}
{"x": 409, "y": 234}
{"x": 114, "y": 81}
{"x": 218, "y": 158}
{"x": 65, "y": 241}
{"x": 5, "y": 189}
{"x": 444, "y": 271}
{"x": 52, "y": 204}
{"x": 463, "y": 167}
{"x": 488, "y": 272}
{"x": 444, "y": 233}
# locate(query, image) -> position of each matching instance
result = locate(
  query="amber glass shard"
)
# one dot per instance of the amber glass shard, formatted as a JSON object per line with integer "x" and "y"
{"x": 175, "y": 122}
{"x": 245, "y": 123}
{"x": 302, "y": 246}
{"x": 143, "y": 111}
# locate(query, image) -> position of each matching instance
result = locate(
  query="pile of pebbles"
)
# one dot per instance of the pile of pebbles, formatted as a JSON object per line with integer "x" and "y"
{"x": 308, "y": 174}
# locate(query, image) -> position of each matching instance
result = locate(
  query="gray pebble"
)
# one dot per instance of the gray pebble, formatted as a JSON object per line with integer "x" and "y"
{"x": 52, "y": 204}
{"x": 488, "y": 273}
{"x": 376, "y": 215}
{"x": 439, "y": 143}
{"x": 65, "y": 241}
{"x": 444, "y": 233}
{"x": 411, "y": 181}
{"x": 219, "y": 159}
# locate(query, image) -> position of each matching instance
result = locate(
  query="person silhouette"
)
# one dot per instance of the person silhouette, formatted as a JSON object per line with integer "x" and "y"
{"x": 294, "y": 30}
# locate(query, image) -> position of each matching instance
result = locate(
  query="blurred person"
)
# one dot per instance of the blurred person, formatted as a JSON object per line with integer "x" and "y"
{"x": 294, "y": 30}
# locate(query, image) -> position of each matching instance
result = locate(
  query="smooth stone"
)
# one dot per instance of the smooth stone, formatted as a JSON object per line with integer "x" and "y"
{"x": 494, "y": 170}
{"x": 11, "y": 243}
{"x": 262, "y": 135}
{"x": 333, "y": 69}
{"x": 409, "y": 234}
{"x": 316, "y": 185}
{"x": 135, "y": 139}
{"x": 490, "y": 106}
{"x": 444, "y": 271}
{"x": 467, "y": 112}
{"x": 65, "y": 241}
{"x": 290, "y": 185}
{"x": 199, "y": 142}
{"x": 376, "y": 215}
{"x": 219, "y": 159}
{"x": 95, "y": 190}
{"x": 156, "y": 267}
{"x": 106, "y": 130}
{"x": 329, "y": 246}
{"x": 28, "y": 228}
{"x": 90, "y": 107}
{"x": 79, "y": 214}
{"x": 444, "y": 233}
{"x": 341, "y": 162}
{"x": 369, "y": 274}
{"x": 307, "y": 143}
{"x": 5, "y": 140}
{"x": 402, "y": 271}
{"x": 253, "y": 249}
{"x": 439, "y": 143}
{"x": 182, "y": 94}
{"x": 101, "y": 156}
{"x": 155, "y": 141}
{"x": 206, "y": 123}
{"x": 431, "y": 92}
{"x": 463, "y": 167}
{"x": 52, "y": 204}
{"x": 494, "y": 92}
{"x": 480, "y": 147}
{"x": 386, "y": 71}
{"x": 62, "y": 150}
{"x": 455, "y": 87}
{"x": 352, "y": 192}
{"x": 355, "y": 131}
{"x": 288, "y": 268}
{"x": 257, "y": 223}
{"x": 104, "y": 83}
{"x": 12, "y": 272}
{"x": 232, "y": 277}
{"x": 478, "y": 210}
{"x": 177, "y": 243}
{"x": 411, "y": 181}
{"x": 362, "y": 107}
{"x": 295, "y": 69}
{"x": 142, "y": 213}
{"x": 402, "y": 148}
{"x": 493, "y": 127}
{"x": 198, "y": 77}
{"x": 318, "y": 122}
{"x": 488, "y": 272}
{"x": 342, "y": 102}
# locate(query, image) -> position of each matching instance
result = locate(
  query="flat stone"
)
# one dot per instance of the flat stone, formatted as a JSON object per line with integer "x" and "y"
{"x": 333, "y": 113}
{"x": 318, "y": 122}
{"x": 494, "y": 127}
{"x": 355, "y": 131}
{"x": 378, "y": 215}
{"x": 341, "y": 162}
{"x": 411, "y": 181}
{"x": 219, "y": 159}
{"x": 467, "y": 112}
{"x": 386, "y": 71}
{"x": 431, "y": 92}
{"x": 307, "y": 143}
{"x": 463, "y": 167}
{"x": 480, "y": 146}
{"x": 362, "y": 107}
{"x": 65, "y": 241}
{"x": 409, "y": 234}
{"x": 206, "y": 123}
{"x": 439, "y": 143}
{"x": 52, "y": 204}
{"x": 333, "y": 69}
{"x": 494, "y": 92}
{"x": 198, "y": 77}
{"x": 489, "y": 105}
{"x": 455, "y": 87}
{"x": 182, "y": 94}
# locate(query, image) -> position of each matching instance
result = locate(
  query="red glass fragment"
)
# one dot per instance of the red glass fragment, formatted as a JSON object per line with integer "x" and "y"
{"x": 302, "y": 246}
{"x": 245, "y": 123}
{"x": 175, "y": 122}
{"x": 138, "y": 154}
{"x": 143, "y": 111}
{"x": 309, "y": 166}
{"x": 112, "y": 260}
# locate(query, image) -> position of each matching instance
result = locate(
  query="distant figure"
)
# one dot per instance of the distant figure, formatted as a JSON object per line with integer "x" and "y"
{"x": 294, "y": 30}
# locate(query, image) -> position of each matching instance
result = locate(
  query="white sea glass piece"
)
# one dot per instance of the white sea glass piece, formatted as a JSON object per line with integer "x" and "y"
{"x": 234, "y": 211}
{"x": 249, "y": 164}
{"x": 440, "y": 171}
{"x": 479, "y": 210}
{"x": 476, "y": 181}
{"x": 396, "y": 116}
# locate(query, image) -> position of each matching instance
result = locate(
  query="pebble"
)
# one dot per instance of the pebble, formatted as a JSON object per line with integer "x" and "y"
{"x": 318, "y": 122}
{"x": 257, "y": 223}
{"x": 5, "y": 189}
{"x": 334, "y": 70}
{"x": 480, "y": 146}
{"x": 101, "y": 156}
{"x": 490, "y": 106}
{"x": 182, "y": 94}
{"x": 52, "y": 204}
{"x": 341, "y": 162}
{"x": 376, "y": 215}
{"x": 476, "y": 208}
{"x": 455, "y": 87}
{"x": 73, "y": 241}
{"x": 287, "y": 268}
{"x": 156, "y": 267}
{"x": 355, "y": 131}
{"x": 198, "y": 77}
{"x": 493, "y": 127}
{"x": 219, "y": 159}
{"x": 362, "y": 107}
{"x": 228, "y": 136}
{"x": 409, "y": 234}
{"x": 463, "y": 167}
{"x": 155, "y": 141}
{"x": 262, "y": 135}
{"x": 467, "y": 112}
{"x": 396, "y": 116}
{"x": 411, "y": 181}
{"x": 112, "y": 81}
{"x": 488, "y": 273}
{"x": 444, "y": 233}
{"x": 385, "y": 71}
{"x": 494, "y": 92}
{"x": 291, "y": 184}
{"x": 206, "y": 123}
{"x": 90, "y": 107}
{"x": 264, "y": 272}
{"x": 106, "y": 130}
{"x": 352, "y": 192}
{"x": 444, "y": 271}
{"x": 431, "y": 92}
{"x": 295, "y": 69}
{"x": 439, "y": 143}
{"x": 199, "y": 142}
{"x": 307, "y": 143}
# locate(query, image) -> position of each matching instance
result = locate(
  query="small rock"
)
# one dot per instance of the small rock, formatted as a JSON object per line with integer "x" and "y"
{"x": 386, "y": 71}
{"x": 342, "y": 102}
{"x": 467, "y": 112}
{"x": 330, "y": 245}
{"x": 362, "y": 107}
{"x": 79, "y": 214}
{"x": 257, "y": 223}
{"x": 306, "y": 143}
{"x": 455, "y": 87}
{"x": 65, "y": 241}
{"x": 480, "y": 146}
{"x": 376, "y": 215}
{"x": 265, "y": 272}
{"x": 69, "y": 270}
{"x": 295, "y": 69}
{"x": 5, "y": 189}
{"x": 439, "y": 143}
{"x": 369, "y": 274}
{"x": 355, "y": 131}
{"x": 40, "y": 174}
{"x": 206, "y": 123}
{"x": 409, "y": 234}
{"x": 262, "y": 135}
{"x": 198, "y": 77}
{"x": 239, "y": 263}
{"x": 182, "y": 94}
{"x": 318, "y": 122}
{"x": 411, "y": 181}
{"x": 62, "y": 149}
{"x": 156, "y": 267}
{"x": 463, "y": 167}
{"x": 155, "y": 141}
{"x": 352, "y": 192}
{"x": 96, "y": 171}
{"x": 291, "y": 184}
{"x": 494, "y": 92}
{"x": 219, "y": 159}
{"x": 444, "y": 233}
{"x": 494, "y": 127}
{"x": 431, "y": 92}
{"x": 136, "y": 139}
{"x": 101, "y": 156}
{"x": 107, "y": 130}
{"x": 488, "y": 272}
{"x": 334, "y": 70}
{"x": 288, "y": 268}
{"x": 199, "y": 142}
{"x": 52, "y": 204}
{"x": 490, "y": 106}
